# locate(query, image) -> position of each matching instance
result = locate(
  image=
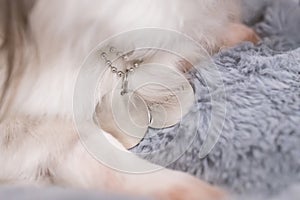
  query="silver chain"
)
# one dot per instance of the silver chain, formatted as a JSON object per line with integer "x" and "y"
{"x": 113, "y": 68}
{"x": 120, "y": 73}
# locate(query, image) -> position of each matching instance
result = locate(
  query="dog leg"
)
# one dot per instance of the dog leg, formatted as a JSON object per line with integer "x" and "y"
{"x": 80, "y": 169}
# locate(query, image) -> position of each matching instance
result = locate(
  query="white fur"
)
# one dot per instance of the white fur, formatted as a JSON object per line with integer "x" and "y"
{"x": 65, "y": 31}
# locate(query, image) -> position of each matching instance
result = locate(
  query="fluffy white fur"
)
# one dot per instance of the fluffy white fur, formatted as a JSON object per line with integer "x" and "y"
{"x": 38, "y": 141}
{"x": 66, "y": 31}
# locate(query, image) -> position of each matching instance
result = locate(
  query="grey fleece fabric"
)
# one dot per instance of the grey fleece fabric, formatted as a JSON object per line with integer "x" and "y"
{"x": 259, "y": 148}
{"x": 258, "y": 153}
{"x": 56, "y": 193}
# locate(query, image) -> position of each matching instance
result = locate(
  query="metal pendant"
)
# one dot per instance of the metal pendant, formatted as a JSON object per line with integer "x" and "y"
{"x": 157, "y": 98}
{"x": 170, "y": 110}
{"x": 167, "y": 92}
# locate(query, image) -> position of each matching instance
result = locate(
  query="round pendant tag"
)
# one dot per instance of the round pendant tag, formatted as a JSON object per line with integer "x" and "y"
{"x": 167, "y": 92}
{"x": 125, "y": 116}
{"x": 172, "y": 108}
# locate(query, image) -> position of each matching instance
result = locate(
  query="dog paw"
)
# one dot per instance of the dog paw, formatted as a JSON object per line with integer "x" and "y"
{"x": 237, "y": 33}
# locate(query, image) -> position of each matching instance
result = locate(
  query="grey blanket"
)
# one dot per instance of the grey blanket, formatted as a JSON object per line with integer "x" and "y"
{"x": 258, "y": 152}
{"x": 259, "y": 148}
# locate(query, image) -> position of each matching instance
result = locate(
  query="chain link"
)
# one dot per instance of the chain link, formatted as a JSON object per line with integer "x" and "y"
{"x": 113, "y": 68}
{"x": 120, "y": 73}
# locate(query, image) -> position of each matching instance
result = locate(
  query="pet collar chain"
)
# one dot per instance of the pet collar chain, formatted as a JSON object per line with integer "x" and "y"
{"x": 120, "y": 73}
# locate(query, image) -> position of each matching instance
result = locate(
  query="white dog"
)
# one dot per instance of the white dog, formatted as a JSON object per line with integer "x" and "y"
{"x": 43, "y": 44}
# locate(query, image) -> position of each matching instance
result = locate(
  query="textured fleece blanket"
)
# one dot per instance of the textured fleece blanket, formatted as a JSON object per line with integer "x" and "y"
{"x": 258, "y": 152}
